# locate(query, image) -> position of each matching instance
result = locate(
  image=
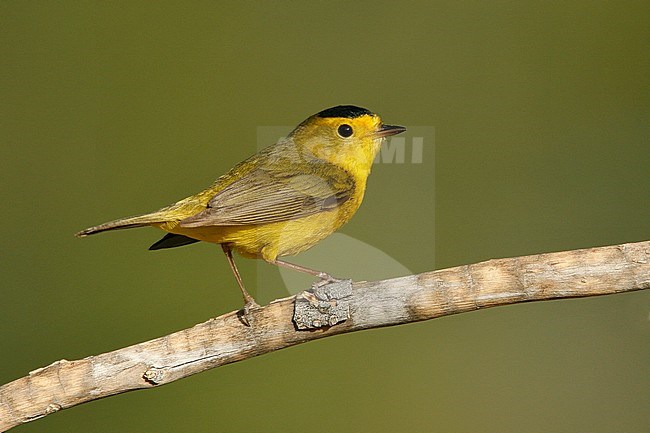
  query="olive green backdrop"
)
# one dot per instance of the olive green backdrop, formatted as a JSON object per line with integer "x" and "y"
{"x": 541, "y": 116}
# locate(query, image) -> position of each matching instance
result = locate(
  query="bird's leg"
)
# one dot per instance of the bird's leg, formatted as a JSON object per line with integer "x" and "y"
{"x": 249, "y": 302}
{"x": 324, "y": 277}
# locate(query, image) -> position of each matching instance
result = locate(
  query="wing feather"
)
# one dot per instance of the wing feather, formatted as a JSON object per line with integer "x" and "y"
{"x": 263, "y": 196}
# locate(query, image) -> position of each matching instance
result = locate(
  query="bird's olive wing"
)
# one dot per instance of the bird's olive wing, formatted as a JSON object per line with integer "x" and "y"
{"x": 266, "y": 196}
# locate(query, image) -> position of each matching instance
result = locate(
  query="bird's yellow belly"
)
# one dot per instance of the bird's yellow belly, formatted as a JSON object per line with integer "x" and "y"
{"x": 269, "y": 241}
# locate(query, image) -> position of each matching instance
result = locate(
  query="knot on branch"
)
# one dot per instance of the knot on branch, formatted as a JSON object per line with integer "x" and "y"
{"x": 322, "y": 306}
{"x": 154, "y": 375}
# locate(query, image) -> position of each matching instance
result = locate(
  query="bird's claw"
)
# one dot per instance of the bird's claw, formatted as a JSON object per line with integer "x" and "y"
{"x": 246, "y": 314}
{"x": 325, "y": 279}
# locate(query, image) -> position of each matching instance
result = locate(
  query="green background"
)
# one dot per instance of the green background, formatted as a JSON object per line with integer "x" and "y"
{"x": 541, "y": 114}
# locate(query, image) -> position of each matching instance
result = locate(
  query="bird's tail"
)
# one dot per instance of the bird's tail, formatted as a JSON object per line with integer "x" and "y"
{"x": 123, "y": 223}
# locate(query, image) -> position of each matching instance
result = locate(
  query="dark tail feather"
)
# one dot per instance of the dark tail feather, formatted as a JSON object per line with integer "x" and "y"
{"x": 171, "y": 240}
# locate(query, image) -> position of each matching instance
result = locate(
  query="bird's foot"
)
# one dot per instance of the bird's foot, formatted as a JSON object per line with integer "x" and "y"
{"x": 246, "y": 314}
{"x": 325, "y": 279}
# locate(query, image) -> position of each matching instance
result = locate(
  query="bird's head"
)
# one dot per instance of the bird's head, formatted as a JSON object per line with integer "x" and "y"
{"x": 345, "y": 135}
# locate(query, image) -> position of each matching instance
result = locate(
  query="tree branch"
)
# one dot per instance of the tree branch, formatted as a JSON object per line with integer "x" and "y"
{"x": 225, "y": 339}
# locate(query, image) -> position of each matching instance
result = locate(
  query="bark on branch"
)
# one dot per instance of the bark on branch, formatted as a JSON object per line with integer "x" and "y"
{"x": 225, "y": 339}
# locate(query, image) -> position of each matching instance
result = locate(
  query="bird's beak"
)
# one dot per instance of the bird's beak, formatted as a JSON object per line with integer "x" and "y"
{"x": 388, "y": 130}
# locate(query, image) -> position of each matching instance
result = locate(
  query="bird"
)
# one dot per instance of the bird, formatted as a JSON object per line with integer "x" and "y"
{"x": 280, "y": 201}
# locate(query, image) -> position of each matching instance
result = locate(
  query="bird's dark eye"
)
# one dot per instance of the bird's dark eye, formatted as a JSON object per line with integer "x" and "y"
{"x": 345, "y": 130}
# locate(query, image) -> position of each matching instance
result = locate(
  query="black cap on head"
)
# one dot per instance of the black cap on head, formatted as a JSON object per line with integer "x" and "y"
{"x": 349, "y": 111}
